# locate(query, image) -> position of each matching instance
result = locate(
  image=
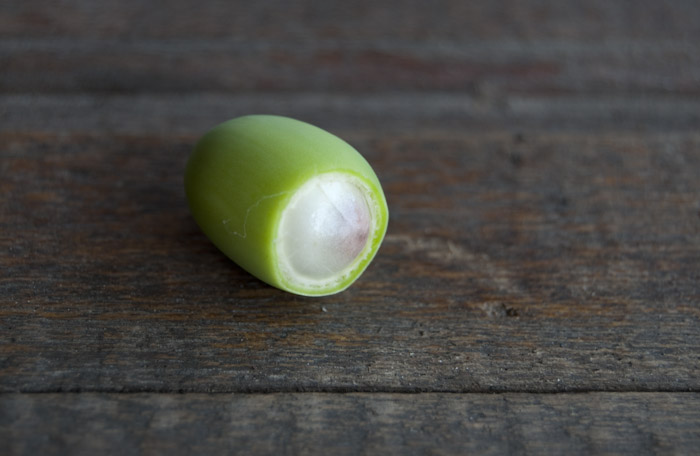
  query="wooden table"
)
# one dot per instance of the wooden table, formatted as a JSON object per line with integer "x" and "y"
{"x": 538, "y": 289}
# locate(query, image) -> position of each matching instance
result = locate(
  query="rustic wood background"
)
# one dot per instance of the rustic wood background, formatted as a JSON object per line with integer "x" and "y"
{"x": 538, "y": 289}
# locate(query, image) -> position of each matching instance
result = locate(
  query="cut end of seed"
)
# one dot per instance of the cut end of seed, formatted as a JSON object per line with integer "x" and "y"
{"x": 323, "y": 230}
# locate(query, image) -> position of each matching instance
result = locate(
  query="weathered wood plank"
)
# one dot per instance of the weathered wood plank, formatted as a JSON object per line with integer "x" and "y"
{"x": 483, "y": 69}
{"x": 439, "y": 113}
{"x": 484, "y": 48}
{"x": 578, "y": 424}
{"x": 311, "y": 20}
{"x": 535, "y": 262}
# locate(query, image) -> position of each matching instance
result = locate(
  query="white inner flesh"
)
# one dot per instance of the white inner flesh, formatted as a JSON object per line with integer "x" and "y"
{"x": 323, "y": 230}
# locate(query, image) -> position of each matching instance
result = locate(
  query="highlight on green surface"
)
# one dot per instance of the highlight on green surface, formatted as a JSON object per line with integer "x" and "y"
{"x": 292, "y": 204}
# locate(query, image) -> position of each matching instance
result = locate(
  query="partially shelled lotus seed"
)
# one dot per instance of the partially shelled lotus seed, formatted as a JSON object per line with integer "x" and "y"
{"x": 292, "y": 204}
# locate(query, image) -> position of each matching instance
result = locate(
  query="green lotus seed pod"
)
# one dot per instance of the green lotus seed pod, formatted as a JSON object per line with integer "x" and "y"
{"x": 292, "y": 204}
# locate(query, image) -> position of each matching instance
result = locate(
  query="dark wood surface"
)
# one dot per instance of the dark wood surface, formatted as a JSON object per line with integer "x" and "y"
{"x": 538, "y": 290}
{"x": 354, "y": 423}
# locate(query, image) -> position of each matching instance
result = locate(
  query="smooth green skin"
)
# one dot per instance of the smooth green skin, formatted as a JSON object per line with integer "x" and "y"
{"x": 242, "y": 175}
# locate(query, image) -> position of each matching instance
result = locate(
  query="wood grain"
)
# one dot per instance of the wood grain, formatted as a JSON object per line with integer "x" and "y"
{"x": 481, "y": 48}
{"x": 541, "y": 162}
{"x": 431, "y": 114}
{"x": 579, "y": 424}
{"x": 512, "y": 263}
{"x": 414, "y": 21}
{"x": 477, "y": 68}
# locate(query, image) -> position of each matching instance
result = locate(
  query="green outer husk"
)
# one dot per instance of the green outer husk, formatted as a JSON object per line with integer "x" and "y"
{"x": 242, "y": 175}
